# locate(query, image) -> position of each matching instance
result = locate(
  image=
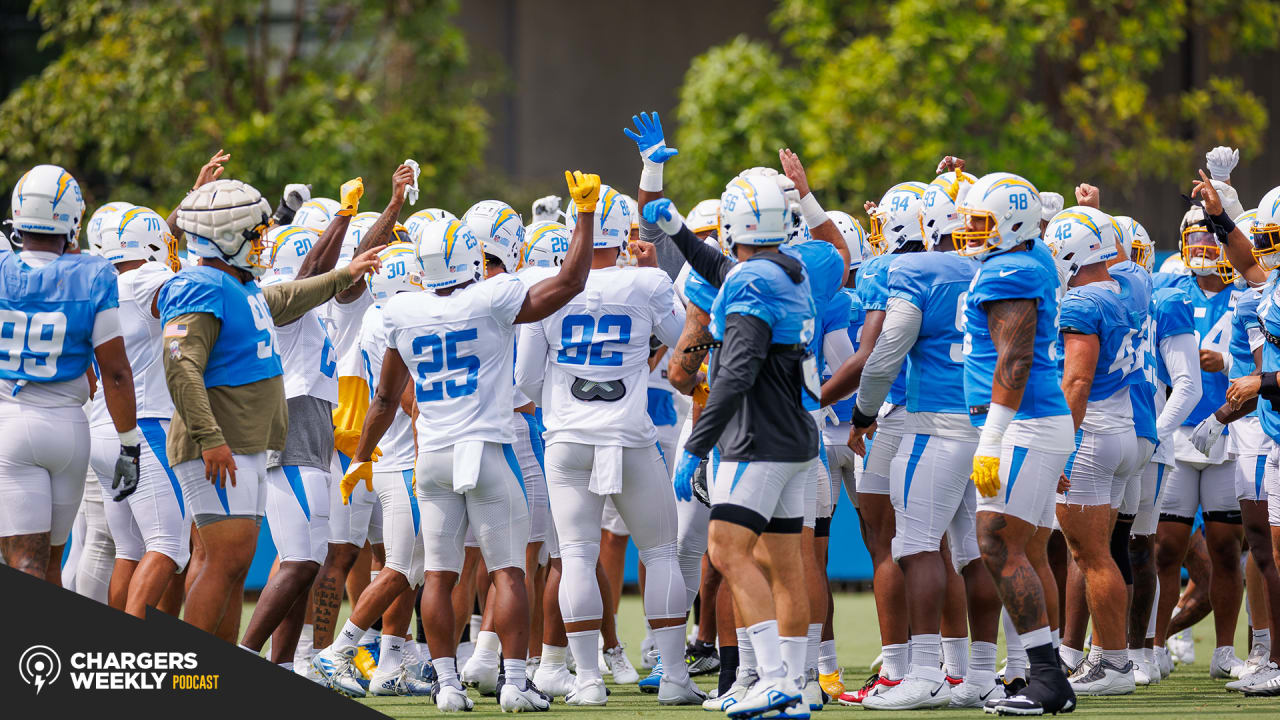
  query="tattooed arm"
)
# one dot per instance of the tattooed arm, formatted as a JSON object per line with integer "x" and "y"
{"x": 1012, "y": 324}
{"x": 683, "y": 368}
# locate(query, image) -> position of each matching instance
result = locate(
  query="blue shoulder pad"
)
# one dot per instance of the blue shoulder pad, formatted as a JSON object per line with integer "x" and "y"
{"x": 698, "y": 291}
{"x": 873, "y": 282}
{"x": 1011, "y": 276}
{"x": 837, "y": 315}
{"x": 193, "y": 290}
{"x": 909, "y": 279}
{"x": 1173, "y": 312}
{"x": 748, "y": 290}
{"x": 1078, "y": 312}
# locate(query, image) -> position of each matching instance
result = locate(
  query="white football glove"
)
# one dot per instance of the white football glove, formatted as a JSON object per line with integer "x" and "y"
{"x": 1051, "y": 203}
{"x": 296, "y": 194}
{"x": 1221, "y": 161}
{"x": 547, "y": 209}
{"x": 1206, "y": 434}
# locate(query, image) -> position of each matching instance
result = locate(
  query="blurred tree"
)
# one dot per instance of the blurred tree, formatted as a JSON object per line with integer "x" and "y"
{"x": 296, "y": 90}
{"x": 1053, "y": 89}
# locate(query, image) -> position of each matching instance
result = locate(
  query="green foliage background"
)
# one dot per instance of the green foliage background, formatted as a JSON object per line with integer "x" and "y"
{"x": 144, "y": 92}
{"x": 872, "y": 93}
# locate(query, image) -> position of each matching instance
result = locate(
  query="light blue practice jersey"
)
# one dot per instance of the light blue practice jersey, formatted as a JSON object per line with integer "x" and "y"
{"x": 1118, "y": 320}
{"x": 1017, "y": 275}
{"x": 1143, "y": 390}
{"x": 873, "y": 289}
{"x": 1269, "y": 318}
{"x": 698, "y": 291}
{"x": 47, "y": 314}
{"x": 245, "y": 349}
{"x": 761, "y": 288}
{"x": 937, "y": 283}
{"x": 1211, "y": 315}
{"x": 844, "y": 408}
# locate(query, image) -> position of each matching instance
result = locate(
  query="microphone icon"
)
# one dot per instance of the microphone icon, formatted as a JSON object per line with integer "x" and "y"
{"x": 39, "y": 666}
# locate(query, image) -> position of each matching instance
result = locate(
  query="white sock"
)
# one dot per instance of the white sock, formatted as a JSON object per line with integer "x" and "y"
{"x": 1115, "y": 658}
{"x": 348, "y": 638}
{"x": 813, "y": 639}
{"x": 926, "y": 655}
{"x": 287, "y": 665}
{"x": 1095, "y": 653}
{"x": 447, "y": 671}
{"x": 894, "y": 665}
{"x": 1070, "y": 655}
{"x": 586, "y": 653}
{"x": 306, "y": 639}
{"x": 768, "y": 648}
{"x": 476, "y": 622}
{"x": 670, "y": 642}
{"x": 1017, "y": 661}
{"x": 1036, "y": 638}
{"x": 514, "y": 670}
{"x": 553, "y": 656}
{"x": 982, "y": 657}
{"x": 246, "y": 648}
{"x": 1056, "y": 637}
{"x": 955, "y": 656}
{"x": 1149, "y": 655}
{"x": 1155, "y": 603}
{"x": 369, "y": 636}
{"x": 487, "y": 646}
{"x": 391, "y": 656}
{"x": 746, "y": 652}
{"x": 1262, "y": 636}
{"x": 1136, "y": 655}
{"x": 794, "y": 650}
{"x": 826, "y": 657}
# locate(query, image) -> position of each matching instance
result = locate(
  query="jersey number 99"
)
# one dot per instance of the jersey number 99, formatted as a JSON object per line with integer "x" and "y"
{"x": 436, "y": 354}
{"x": 31, "y": 346}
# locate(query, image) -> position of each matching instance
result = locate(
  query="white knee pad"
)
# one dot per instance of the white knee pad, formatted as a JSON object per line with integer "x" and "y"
{"x": 579, "y": 591}
{"x": 665, "y": 594}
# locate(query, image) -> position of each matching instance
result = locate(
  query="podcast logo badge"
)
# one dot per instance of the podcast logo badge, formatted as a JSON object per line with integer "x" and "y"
{"x": 39, "y": 666}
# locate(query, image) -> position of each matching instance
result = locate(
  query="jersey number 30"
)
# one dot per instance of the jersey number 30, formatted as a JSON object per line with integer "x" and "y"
{"x": 436, "y": 353}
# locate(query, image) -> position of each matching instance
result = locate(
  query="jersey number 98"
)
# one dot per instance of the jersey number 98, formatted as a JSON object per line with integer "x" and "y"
{"x": 436, "y": 354}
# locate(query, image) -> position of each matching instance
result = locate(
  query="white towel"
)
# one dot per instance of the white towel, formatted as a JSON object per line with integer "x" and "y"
{"x": 466, "y": 465}
{"x": 606, "y": 470}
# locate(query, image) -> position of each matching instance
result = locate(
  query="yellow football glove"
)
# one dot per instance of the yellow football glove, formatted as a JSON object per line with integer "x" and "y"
{"x": 349, "y": 196}
{"x": 584, "y": 189}
{"x": 986, "y": 475}
{"x": 702, "y": 389}
{"x": 346, "y": 441}
{"x": 357, "y": 472}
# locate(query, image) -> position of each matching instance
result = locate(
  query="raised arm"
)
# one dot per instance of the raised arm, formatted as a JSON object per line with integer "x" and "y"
{"x": 820, "y": 225}
{"x": 683, "y": 368}
{"x": 209, "y": 172}
{"x": 706, "y": 261}
{"x": 1239, "y": 247}
{"x": 551, "y": 294}
{"x": 380, "y": 234}
{"x": 324, "y": 256}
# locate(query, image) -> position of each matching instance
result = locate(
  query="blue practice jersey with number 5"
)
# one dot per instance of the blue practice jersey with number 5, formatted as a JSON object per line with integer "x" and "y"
{"x": 873, "y": 289}
{"x": 245, "y": 351}
{"x": 47, "y": 314}
{"x": 1016, "y": 275}
{"x": 938, "y": 284}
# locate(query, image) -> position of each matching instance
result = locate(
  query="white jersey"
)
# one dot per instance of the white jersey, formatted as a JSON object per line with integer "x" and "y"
{"x": 596, "y": 341}
{"x": 459, "y": 349}
{"x": 397, "y": 447}
{"x": 308, "y": 358}
{"x": 142, "y": 344}
{"x": 342, "y": 320}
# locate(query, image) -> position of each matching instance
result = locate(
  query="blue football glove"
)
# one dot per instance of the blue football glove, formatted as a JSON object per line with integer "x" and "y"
{"x": 662, "y": 212}
{"x": 649, "y": 138}
{"x": 683, "y": 480}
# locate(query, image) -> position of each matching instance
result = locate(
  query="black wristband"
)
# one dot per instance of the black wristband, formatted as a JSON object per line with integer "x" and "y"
{"x": 860, "y": 420}
{"x": 1224, "y": 221}
{"x": 1268, "y": 388}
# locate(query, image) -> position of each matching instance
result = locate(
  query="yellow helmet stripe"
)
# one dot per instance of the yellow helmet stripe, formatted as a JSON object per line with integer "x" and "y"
{"x": 750, "y": 191}
{"x": 1011, "y": 182}
{"x": 64, "y": 182}
{"x": 450, "y": 237}
{"x": 503, "y": 216}
{"x": 1083, "y": 220}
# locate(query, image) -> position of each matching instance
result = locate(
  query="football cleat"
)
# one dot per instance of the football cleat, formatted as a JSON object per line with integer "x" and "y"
{"x": 912, "y": 693}
{"x": 671, "y": 692}
{"x": 1103, "y": 678}
{"x": 450, "y": 698}
{"x": 654, "y": 680}
{"x": 587, "y": 692}
{"x": 403, "y": 683}
{"x": 1050, "y": 693}
{"x": 528, "y": 699}
{"x": 615, "y": 659}
{"x": 832, "y": 683}
{"x": 338, "y": 671}
{"x": 767, "y": 696}
{"x": 742, "y": 684}
{"x": 1225, "y": 664}
{"x": 874, "y": 684}
{"x": 554, "y": 680}
{"x": 1259, "y": 677}
{"x": 976, "y": 690}
{"x": 366, "y": 659}
{"x": 482, "y": 674}
{"x": 1182, "y": 647}
{"x": 814, "y": 697}
{"x": 1264, "y": 688}
{"x": 702, "y": 658}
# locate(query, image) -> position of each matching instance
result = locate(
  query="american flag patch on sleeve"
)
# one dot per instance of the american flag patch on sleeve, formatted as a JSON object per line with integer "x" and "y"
{"x": 175, "y": 330}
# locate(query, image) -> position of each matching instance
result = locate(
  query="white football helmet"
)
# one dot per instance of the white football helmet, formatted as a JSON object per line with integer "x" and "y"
{"x": 895, "y": 221}
{"x": 546, "y": 244}
{"x": 47, "y": 200}
{"x": 612, "y": 219}
{"x": 97, "y": 219}
{"x": 289, "y": 245}
{"x": 635, "y": 213}
{"x": 1081, "y": 236}
{"x": 1174, "y": 265}
{"x": 1199, "y": 247}
{"x": 1007, "y": 209}
{"x": 449, "y": 254}
{"x": 400, "y": 272}
{"x": 704, "y": 217}
{"x": 854, "y": 237}
{"x": 356, "y": 229}
{"x": 226, "y": 219}
{"x": 500, "y": 231}
{"x": 316, "y": 214}
{"x": 955, "y": 183}
{"x": 1266, "y": 230}
{"x": 753, "y": 211}
{"x": 425, "y": 216}
{"x": 138, "y": 233}
{"x": 1141, "y": 249}
{"x": 938, "y": 217}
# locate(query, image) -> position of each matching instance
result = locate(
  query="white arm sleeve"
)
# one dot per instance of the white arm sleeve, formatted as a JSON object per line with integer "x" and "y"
{"x": 531, "y": 359}
{"x": 1256, "y": 338}
{"x": 106, "y": 326}
{"x": 1181, "y": 356}
{"x": 901, "y": 328}
{"x": 668, "y": 315}
{"x": 836, "y": 348}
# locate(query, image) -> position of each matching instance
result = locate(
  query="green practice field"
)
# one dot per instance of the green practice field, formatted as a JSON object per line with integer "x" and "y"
{"x": 1188, "y": 693}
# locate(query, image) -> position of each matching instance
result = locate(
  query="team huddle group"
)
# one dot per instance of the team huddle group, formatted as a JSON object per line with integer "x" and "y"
{"x": 1034, "y": 428}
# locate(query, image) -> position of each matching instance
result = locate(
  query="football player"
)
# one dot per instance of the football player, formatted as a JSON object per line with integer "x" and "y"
{"x": 63, "y": 311}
